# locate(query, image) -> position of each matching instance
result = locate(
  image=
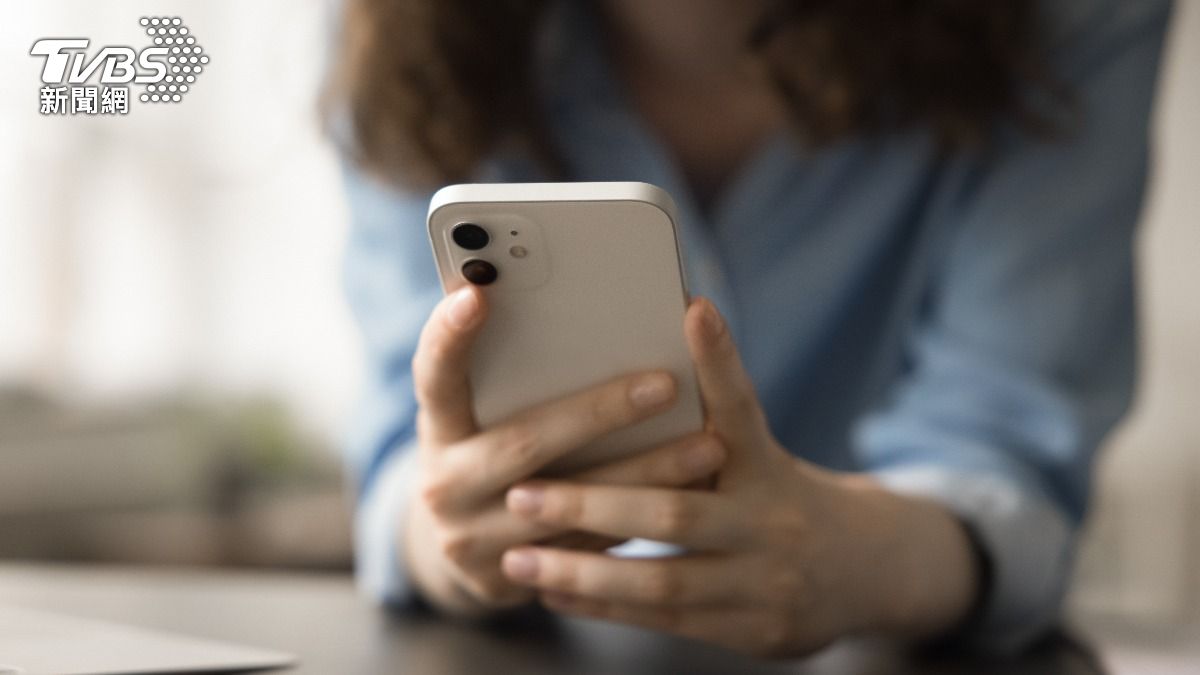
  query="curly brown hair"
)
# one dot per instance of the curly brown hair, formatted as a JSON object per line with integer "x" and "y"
{"x": 429, "y": 88}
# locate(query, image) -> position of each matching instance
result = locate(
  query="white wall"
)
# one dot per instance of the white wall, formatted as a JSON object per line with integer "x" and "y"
{"x": 192, "y": 246}
{"x": 1144, "y": 554}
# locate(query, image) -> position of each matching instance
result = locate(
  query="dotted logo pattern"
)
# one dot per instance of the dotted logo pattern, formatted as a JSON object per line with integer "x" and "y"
{"x": 185, "y": 60}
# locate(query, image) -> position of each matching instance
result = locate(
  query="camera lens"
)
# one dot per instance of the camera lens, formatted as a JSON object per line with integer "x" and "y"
{"x": 479, "y": 272}
{"x": 470, "y": 236}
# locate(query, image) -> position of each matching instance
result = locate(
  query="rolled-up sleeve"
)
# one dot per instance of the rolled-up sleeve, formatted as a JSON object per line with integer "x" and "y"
{"x": 392, "y": 286}
{"x": 1024, "y": 357}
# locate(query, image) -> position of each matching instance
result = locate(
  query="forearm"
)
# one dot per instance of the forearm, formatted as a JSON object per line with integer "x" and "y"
{"x": 920, "y": 577}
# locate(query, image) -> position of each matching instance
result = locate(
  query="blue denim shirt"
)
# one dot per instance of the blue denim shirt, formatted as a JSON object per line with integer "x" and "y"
{"x": 960, "y": 327}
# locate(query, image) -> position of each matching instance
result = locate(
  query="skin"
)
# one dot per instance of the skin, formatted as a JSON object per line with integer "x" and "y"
{"x": 783, "y": 556}
{"x": 686, "y": 71}
{"x": 457, "y": 526}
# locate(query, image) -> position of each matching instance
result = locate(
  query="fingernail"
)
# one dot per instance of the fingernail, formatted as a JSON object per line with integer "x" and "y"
{"x": 701, "y": 457}
{"x": 652, "y": 390}
{"x": 520, "y": 565}
{"x": 463, "y": 308}
{"x": 526, "y": 500}
{"x": 713, "y": 322}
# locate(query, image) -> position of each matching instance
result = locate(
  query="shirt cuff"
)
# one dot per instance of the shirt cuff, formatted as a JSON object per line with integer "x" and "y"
{"x": 378, "y": 553}
{"x": 1028, "y": 541}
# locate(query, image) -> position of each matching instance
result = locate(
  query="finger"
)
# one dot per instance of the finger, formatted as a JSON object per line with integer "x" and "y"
{"x": 440, "y": 367}
{"x": 730, "y": 403}
{"x": 485, "y": 536}
{"x": 581, "y": 541}
{"x": 744, "y": 630}
{"x": 675, "y": 464}
{"x": 698, "y": 520}
{"x": 480, "y": 541}
{"x": 464, "y": 564}
{"x": 687, "y": 580}
{"x": 486, "y": 464}
{"x": 491, "y": 588}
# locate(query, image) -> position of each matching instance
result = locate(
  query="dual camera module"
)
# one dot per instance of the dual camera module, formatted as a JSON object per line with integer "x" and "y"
{"x": 474, "y": 238}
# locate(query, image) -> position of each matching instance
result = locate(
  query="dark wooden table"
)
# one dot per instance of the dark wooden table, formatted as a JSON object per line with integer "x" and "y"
{"x": 333, "y": 631}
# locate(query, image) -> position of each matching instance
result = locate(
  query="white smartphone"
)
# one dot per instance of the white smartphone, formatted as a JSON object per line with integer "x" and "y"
{"x": 584, "y": 282}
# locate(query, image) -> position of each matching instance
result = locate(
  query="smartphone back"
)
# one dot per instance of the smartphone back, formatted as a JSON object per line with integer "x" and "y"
{"x": 589, "y": 285}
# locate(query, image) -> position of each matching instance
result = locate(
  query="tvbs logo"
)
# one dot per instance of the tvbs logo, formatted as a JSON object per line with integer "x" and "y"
{"x": 167, "y": 70}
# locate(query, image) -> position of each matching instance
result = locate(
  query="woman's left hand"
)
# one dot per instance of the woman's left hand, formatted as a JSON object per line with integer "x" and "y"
{"x": 782, "y": 557}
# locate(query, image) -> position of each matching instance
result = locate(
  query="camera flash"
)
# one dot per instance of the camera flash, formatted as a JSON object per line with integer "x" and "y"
{"x": 518, "y": 251}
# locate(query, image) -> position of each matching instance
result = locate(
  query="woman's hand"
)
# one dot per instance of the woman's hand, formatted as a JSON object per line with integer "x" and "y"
{"x": 457, "y": 526}
{"x": 783, "y": 557}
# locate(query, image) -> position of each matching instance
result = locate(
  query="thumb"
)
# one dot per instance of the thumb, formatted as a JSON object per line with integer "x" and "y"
{"x": 731, "y": 407}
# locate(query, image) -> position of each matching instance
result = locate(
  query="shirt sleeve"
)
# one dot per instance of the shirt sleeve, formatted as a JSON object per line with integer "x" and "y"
{"x": 1023, "y": 358}
{"x": 392, "y": 286}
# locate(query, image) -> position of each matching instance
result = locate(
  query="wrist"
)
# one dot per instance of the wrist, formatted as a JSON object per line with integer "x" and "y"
{"x": 921, "y": 576}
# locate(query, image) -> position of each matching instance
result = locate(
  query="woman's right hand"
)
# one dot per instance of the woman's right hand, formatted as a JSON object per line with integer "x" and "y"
{"x": 458, "y": 526}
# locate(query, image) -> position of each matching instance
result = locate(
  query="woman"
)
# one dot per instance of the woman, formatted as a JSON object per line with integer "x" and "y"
{"x": 912, "y": 223}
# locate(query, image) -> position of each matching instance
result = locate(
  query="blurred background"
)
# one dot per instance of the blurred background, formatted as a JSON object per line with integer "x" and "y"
{"x": 177, "y": 363}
